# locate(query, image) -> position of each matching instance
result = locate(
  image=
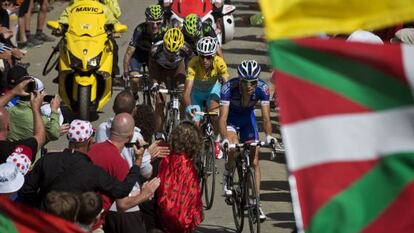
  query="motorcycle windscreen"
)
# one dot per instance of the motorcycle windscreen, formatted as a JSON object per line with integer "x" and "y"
{"x": 86, "y": 48}
{"x": 182, "y": 8}
{"x": 87, "y": 18}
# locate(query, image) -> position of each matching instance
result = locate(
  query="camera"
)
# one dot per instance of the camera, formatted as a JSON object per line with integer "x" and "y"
{"x": 137, "y": 144}
{"x": 31, "y": 86}
{"x": 159, "y": 136}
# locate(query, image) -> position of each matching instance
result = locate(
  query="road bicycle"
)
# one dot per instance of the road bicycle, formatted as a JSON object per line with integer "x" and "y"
{"x": 245, "y": 200}
{"x": 145, "y": 85}
{"x": 207, "y": 169}
{"x": 173, "y": 109}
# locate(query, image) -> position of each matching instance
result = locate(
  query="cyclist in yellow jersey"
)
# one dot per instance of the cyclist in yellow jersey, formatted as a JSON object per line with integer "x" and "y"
{"x": 205, "y": 74}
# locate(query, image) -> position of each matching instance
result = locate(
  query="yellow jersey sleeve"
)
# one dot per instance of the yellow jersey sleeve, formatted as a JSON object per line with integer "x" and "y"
{"x": 221, "y": 67}
{"x": 192, "y": 66}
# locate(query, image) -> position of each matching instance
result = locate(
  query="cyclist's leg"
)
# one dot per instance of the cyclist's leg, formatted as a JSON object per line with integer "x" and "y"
{"x": 156, "y": 73}
{"x": 230, "y": 164}
{"x": 197, "y": 98}
{"x": 213, "y": 103}
{"x": 213, "y": 106}
{"x": 178, "y": 79}
{"x": 135, "y": 67}
{"x": 249, "y": 132}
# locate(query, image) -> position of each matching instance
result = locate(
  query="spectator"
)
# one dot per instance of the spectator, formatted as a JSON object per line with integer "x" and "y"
{"x": 13, "y": 77}
{"x": 27, "y": 40}
{"x": 405, "y": 35}
{"x": 364, "y": 37}
{"x": 62, "y": 204}
{"x": 21, "y": 157}
{"x": 179, "y": 195}
{"x": 107, "y": 156}
{"x": 144, "y": 120}
{"x": 72, "y": 171}
{"x": 41, "y": 20}
{"x": 125, "y": 103}
{"x": 21, "y": 121}
{"x": 31, "y": 144}
{"x": 11, "y": 180}
{"x": 89, "y": 211}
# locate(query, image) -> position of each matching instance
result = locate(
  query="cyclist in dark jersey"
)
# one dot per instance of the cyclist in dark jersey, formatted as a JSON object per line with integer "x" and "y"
{"x": 145, "y": 35}
{"x": 194, "y": 29}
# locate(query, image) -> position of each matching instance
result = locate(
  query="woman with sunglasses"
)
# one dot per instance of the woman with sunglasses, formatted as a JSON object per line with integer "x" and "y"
{"x": 205, "y": 73}
{"x": 238, "y": 99}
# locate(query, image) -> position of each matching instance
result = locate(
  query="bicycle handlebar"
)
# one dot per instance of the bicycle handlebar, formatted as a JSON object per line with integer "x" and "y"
{"x": 167, "y": 91}
{"x": 206, "y": 113}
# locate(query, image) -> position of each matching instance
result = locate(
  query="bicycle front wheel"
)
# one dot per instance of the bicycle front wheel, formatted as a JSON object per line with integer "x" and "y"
{"x": 238, "y": 188}
{"x": 209, "y": 173}
{"x": 169, "y": 121}
{"x": 252, "y": 202}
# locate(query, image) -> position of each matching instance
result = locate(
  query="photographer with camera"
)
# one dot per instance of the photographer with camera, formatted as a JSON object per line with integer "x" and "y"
{"x": 21, "y": 119}
{"x": 29, "y": 145}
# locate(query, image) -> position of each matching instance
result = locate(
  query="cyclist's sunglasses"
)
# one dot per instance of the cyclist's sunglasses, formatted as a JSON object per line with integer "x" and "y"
{"x": 158, "y": 23}
{"x": 206, "y": 57}
{"x": 251, "y": 82}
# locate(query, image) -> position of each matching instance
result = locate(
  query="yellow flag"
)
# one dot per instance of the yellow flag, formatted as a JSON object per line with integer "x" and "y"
{"x": 299, "y": 18}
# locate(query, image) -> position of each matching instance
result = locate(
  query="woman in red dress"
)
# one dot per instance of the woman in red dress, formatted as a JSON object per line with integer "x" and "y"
{"x": 180, "y": 208}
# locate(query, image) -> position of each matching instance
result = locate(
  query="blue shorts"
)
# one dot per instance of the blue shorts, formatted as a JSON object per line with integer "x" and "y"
{"x": 137, "y": 61}
{"x": 245, "y": 124}
{"x": 197, "y": 96}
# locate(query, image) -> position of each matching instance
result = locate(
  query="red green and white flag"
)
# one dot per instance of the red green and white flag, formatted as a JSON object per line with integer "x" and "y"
{"x": 347, "y": 115}
{"x": 16, "y": 218}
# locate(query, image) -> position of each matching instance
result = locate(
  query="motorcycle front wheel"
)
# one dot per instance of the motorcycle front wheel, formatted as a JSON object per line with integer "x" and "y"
{"x": 84, "y": 96}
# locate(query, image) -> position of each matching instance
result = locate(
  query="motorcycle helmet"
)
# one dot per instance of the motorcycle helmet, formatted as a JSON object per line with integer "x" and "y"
{"x": 173, "y": 40}
{"x": 192, "y": 25}
{"x": 249, "y": 70}
{"x": 154, "y": 13}
{"x": 207, "y": 46}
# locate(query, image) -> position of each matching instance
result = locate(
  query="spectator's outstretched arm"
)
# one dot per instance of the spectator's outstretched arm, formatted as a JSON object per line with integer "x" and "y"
{"x": 52, "y": 125}
{"x": 18, "y": 90}
{"x": 36, "y": 100}
{"x": 146, "y": 193}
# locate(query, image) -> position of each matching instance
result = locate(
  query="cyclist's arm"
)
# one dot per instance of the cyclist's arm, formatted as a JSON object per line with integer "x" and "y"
{"x": 224, "y": 112}
{"x": 265, "y": 97}
{"x": 188, "y": 86}
{"x": 127, "y": 57}
{"x": 220, "y": 52}
{"x": 267, "y": 124}
{"x": 222, "y": 67}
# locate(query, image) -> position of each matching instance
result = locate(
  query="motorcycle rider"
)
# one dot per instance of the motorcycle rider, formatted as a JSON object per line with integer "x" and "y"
{"x": 205, "y": 74}
{"x": 167, "y": 65}
{"x": 109, "y": 15}
{"x": 137, "y": 53}
{"x": 194, "y": 29}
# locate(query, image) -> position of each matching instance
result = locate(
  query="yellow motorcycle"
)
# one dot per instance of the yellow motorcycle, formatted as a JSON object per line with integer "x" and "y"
{"x": 85, "y": 57}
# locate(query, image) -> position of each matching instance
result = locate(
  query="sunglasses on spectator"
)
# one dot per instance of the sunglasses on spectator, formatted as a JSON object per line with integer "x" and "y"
{"x": 251, "y": 82}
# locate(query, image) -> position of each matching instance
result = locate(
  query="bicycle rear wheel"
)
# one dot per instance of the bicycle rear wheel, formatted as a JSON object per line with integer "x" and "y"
{"x": 209, "y": 173}
{"x": 252, "y": 202}
{"x": 237, "y": 186}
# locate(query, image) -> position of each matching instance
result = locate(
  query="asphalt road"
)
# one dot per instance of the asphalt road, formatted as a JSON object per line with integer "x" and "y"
{"x": 247, "y": 44}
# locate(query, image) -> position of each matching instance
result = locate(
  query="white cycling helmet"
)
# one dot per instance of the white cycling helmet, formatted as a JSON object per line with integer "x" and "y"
{"x": 249, "y": 70}
{"x": 207, "y": 46}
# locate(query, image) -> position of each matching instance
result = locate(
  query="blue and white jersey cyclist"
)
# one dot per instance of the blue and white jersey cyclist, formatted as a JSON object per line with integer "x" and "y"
{"x": 238, "y": 99}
